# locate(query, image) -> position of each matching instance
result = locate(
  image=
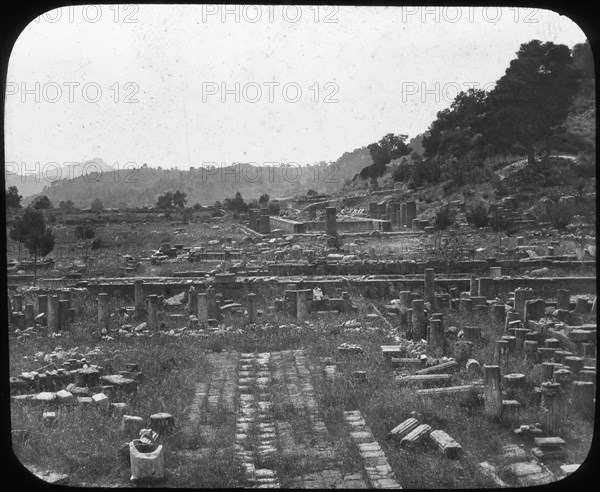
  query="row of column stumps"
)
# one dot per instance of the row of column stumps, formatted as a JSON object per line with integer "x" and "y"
{"x": 400, "y": 214}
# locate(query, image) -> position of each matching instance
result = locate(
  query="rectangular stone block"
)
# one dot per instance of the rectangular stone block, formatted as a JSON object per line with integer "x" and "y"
{"x": 446, "y": 444}
{"x": 404, "y": 428}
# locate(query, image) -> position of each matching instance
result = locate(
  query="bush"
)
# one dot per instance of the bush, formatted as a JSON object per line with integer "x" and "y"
{"x": 335, "y": 241}
{"x": 96, "y": 243}
{"x": 559, "y": 216}
{"x": 499, "y": 222}
{"x": 444, "y": 218}
{"x": 477, "y": 215}
{"x": 85, "y": 231}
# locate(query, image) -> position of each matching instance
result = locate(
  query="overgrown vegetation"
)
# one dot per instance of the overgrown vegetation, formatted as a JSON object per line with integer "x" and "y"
{"x": 477, "y": 215}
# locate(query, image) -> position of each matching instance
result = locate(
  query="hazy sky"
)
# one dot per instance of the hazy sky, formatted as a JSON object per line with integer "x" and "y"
{"x": 156, "y": 84}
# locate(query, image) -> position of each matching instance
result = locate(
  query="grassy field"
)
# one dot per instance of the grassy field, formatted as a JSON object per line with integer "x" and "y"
{"x": 85, "y": 444}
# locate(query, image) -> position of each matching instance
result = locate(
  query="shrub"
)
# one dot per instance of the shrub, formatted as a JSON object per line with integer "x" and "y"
{"x": 335, "y": 241}
{"x": 559, "y": 216}
{"x": 444, "y": 217}
{"x": 96, "y": 243}
{"x": 477, "y": 215}
{"x": 85, "y": 231}
{"x": 499, "y": 222}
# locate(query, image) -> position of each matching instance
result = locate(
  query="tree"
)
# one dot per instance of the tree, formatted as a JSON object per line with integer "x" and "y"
{"x": 31, "y": 230}
{"x": 165, "y": 201}
{"x": 97, "y": 205}
{"x": 274, "y": 208}
{"x": 179, "y": 199}
{"x": 41, "y": 202}
{"x": 13, "y": 199}
{"x": 66, "y": 205}
{"x": 532, "y": 97}
{"x": 264, "y": 198}
{"x": 383, "y": 152}
{"x": 458, "y": 129}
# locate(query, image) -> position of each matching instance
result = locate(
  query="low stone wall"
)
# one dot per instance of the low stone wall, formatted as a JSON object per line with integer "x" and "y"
{"x": 357, "y": 224}
{"x": 543, "y": 287}
{"x": 287, "y": 225}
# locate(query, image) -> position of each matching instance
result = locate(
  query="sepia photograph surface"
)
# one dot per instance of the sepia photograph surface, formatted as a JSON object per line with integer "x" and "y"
{"x": 301, "y": 246}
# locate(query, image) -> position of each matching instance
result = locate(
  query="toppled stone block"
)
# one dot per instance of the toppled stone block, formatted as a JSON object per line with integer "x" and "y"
{"x": 446, "y": 444}
{"x": 404, "y": 428}
{"x": 102, "y": 401}
{"x": 65, "y": 397}
{"x": 131, "y": 425}
{"x": 120, "y": 382}
{"x": 416, "y": 435}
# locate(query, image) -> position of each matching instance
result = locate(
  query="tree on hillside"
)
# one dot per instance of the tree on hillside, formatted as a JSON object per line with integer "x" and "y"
{"x": 532, "y": 97}
{"x": 41, "y": 202}
{"x": 179, "y": 199}
{"x": 264, "y": 199}
{"x": 97, "y": 205}
{"x": 13, "y": 199}
{"x": 458, "y": 129}
{"x": 383, "y": 152}
{"x": 31, "y": 230}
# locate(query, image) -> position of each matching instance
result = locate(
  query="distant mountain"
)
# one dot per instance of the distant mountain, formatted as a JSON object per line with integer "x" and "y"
{"x": 32, "y": 180}
{"x": 138, "y": 187}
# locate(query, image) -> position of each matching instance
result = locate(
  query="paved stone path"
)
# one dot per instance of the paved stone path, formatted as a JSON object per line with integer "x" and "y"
{"x": 270, "y": 399}
{"x": 378, "y": 469}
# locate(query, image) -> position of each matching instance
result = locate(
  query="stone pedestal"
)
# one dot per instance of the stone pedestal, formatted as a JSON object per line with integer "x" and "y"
{"x": 193, "y": 301}
{"x": 42, "y": 304}
{"x": 17, "y": 303}
{"x": 534, "y": 310}
{"x": 435, "y": 340}
{"x": 211, "y": 297}
{"x": 251, "y": 300}
{"x": 330, "y": 221}
{"x": 63, "y": 314}
{"x": 139, "y": 299}
{"x": 403, "y": 221}
{"x": 411, "y": 212}
{"x": 103, "y": 314}
{"x": 522, "y": 295}
{"x": 492, "y": 392}
{"x": 430, "y": 287}
{"x": 52, "y": 314}
{"x": 552, "y": 409}
{"x": 302, "y": 304}
{"x": 473, "y": 286}
{"x": 153, "y": 312}
{"x": 373, "y": 210}
{"x": 405, "y": 299}
{"x": 486, "y": 288}
{"x": 29, "y": 314}
{"x": 472, "y": 333}
{"x": 202, "y": 300}
{"x": 418, "y": 319}
{"x": 563, "y": 299}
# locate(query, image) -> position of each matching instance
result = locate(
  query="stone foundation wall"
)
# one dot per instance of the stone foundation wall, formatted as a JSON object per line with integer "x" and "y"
{"x": 287, "y": 225}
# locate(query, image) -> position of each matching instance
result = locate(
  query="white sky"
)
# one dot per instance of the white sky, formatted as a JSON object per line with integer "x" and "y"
{"x": 378, "y": 63}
